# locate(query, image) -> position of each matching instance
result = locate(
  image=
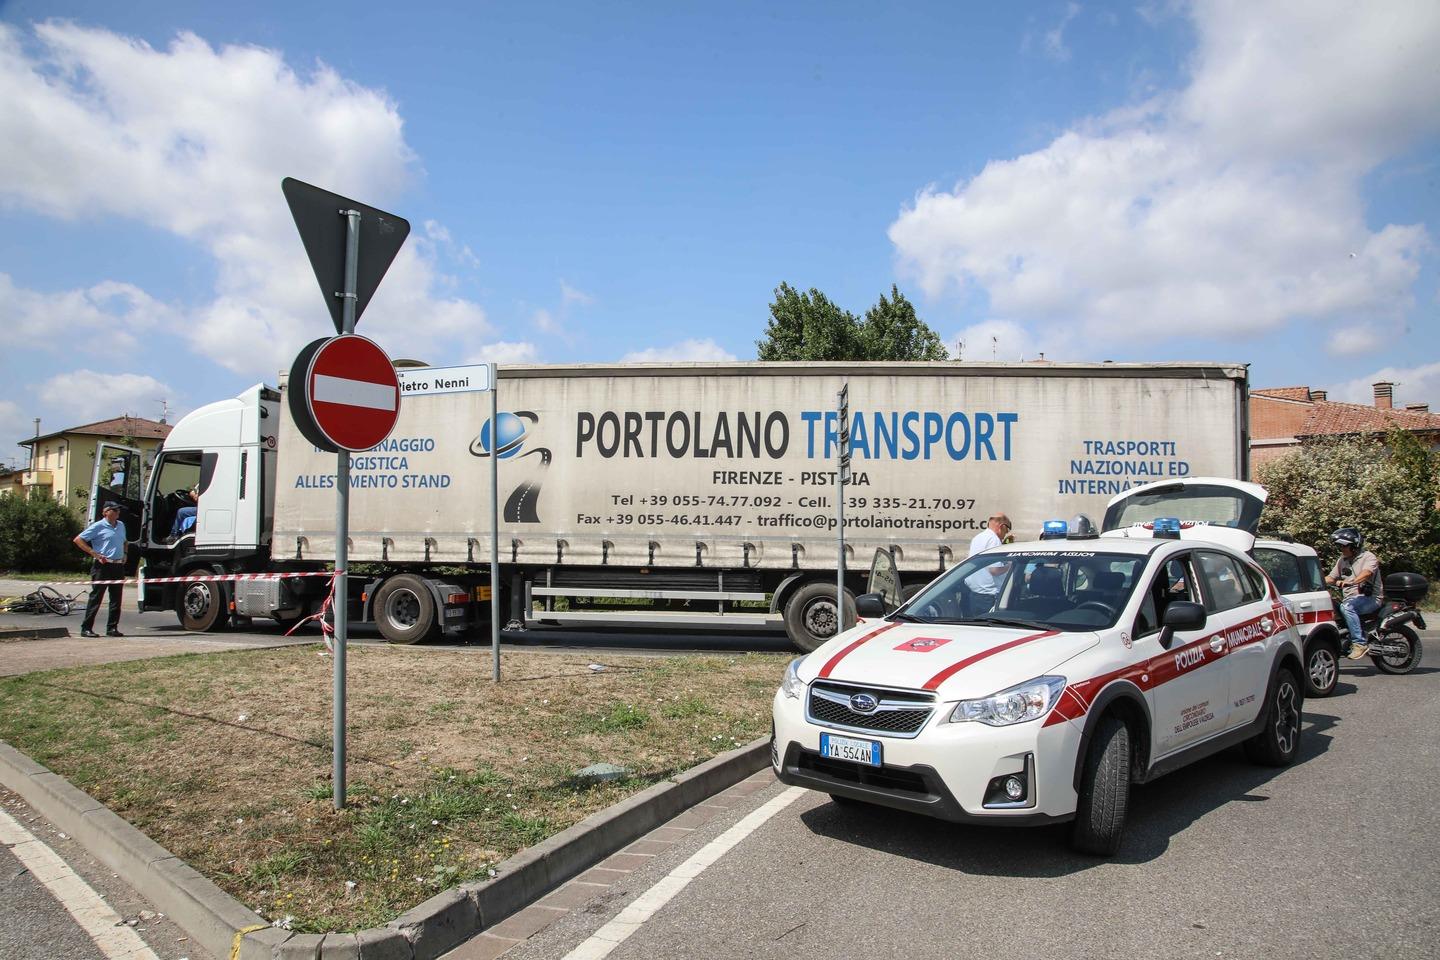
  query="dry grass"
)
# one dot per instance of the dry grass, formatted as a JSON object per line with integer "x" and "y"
{"x": 225, "y": 759}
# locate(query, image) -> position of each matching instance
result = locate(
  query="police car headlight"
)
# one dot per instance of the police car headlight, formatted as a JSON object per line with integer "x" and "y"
{"x": 1025, "y": 701}
{"x": 792, "y": 686}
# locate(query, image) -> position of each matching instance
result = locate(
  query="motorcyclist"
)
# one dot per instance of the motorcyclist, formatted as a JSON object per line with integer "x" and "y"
{"x": 1357, "y": 572}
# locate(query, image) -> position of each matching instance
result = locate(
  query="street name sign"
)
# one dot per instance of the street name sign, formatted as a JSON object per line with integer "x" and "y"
{"x": 432, "y": 381}
{"x": 344, "y": 394}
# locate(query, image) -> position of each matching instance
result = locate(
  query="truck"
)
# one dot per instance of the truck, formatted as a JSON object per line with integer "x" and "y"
{"x": 680, "y": 493}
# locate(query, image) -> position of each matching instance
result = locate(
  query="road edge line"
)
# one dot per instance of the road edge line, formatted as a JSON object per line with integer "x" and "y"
{"x": 213, "y": 918}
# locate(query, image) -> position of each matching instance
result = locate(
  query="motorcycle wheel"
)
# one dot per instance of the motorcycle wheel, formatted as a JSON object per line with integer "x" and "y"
{"x": 1395, "y": 663}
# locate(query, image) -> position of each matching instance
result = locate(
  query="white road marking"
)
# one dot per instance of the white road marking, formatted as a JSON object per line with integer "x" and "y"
{"x": 645, "y": 906}
{"x": 354, "y": 393}
{"x": 79, "y": 899}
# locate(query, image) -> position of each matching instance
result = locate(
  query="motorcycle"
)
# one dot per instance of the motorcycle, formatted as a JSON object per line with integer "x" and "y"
{"x": 1394, "y": 646}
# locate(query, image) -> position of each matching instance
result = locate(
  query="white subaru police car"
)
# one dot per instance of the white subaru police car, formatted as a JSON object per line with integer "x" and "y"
{"x": 1034, "y": 683}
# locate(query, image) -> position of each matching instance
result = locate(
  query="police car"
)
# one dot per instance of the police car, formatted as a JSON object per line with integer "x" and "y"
{"x": 1035, "y": 682}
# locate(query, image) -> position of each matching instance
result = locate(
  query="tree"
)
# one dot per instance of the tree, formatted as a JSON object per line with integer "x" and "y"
{"x": 892, "y": 331}
{"x": 808, "y": 326}
{"x": 36, "y": 534}
{"x": 1386, "y": 487}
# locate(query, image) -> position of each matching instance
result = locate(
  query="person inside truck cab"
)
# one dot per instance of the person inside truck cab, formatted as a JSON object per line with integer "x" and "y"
{"x": 185, "y": 516}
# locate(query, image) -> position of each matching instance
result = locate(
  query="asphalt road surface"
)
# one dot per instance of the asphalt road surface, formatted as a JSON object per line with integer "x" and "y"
{"x": 34, "y": 925}
{"x": 1336, "y": 856}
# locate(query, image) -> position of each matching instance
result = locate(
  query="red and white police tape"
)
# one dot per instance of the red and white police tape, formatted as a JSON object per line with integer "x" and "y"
{"x": 208, "y": 578}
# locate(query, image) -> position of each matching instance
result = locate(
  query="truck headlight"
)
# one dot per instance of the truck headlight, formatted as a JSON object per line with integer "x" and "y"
{"x": 1024, "y": 701}
{"x": 792, "y": 686}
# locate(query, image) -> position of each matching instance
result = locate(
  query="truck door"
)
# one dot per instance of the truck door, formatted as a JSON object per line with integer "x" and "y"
{"x": 117, "y": 477}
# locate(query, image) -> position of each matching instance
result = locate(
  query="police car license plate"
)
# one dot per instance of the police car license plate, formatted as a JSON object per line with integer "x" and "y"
{"x": 848, "y": 748}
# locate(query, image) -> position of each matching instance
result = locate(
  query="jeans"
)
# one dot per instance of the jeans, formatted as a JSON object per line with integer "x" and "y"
{"x": 104, "y": 570}
{"x": 179, "y": 526}
{"x": 1355, "y": 608}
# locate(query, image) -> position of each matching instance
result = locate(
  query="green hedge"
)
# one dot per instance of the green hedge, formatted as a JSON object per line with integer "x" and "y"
{"x": 36, "y": 534}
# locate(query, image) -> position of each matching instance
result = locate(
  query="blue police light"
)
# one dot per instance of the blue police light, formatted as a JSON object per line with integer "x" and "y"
{"x": 1054, "y": 530}
{"x": 1166, "y": 528}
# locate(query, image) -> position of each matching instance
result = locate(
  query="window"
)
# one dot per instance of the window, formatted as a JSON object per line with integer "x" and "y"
{"x": 1173, "y": 582}
{"x": 1283, "y": 567}
{"x": 1314, "y": 580}
{"x": 1225, "y": 586}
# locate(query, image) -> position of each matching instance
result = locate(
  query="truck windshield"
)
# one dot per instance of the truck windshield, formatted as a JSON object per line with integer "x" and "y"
{"x": 1047, "y": 590}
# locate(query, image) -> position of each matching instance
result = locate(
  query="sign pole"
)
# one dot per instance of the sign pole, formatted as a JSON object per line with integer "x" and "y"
{"x": 495, "y": 518}
{"x": 342, "y": 519}
{"x": 843, "y": 451}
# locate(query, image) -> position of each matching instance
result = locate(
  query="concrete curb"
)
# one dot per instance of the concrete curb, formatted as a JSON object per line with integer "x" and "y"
{"x": 33, "y": 633}
{"x": 218, "y": 921}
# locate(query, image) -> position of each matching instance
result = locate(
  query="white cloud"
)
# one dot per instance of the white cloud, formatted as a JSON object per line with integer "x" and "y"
{"x": 83, "y": 396}
{"x": 706, "y": 350}
{"x": 569, "y": 294}
{"x": 103, "y": 317}
{"x": 1189, "y": 212}
{"x": 14, "y": 427}
{"x": 195, "y": 140}
{"x": 506, "y": 352}
{"x": 1354, "y": 340}
{"x": 1420, "y": 384}
{"x": 1055, "y": 47}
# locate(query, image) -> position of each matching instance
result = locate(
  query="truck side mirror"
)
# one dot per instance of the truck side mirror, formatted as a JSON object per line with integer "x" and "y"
{"x": 870, "y": 605}
{"x": 1180, "y": 615}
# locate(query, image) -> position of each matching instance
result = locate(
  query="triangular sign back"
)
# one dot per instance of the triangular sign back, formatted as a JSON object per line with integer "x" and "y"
{"x": 318, "y": 216}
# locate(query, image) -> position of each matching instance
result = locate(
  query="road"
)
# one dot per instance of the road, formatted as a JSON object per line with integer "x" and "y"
{"x": 50, "y": 885}
{"x": 1337, "y": 856}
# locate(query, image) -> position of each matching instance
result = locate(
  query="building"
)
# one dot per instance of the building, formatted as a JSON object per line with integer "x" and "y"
{"x": 1281, "y": 418}
{"x": 12, "y": 482}
{"x": 62, "y": 464}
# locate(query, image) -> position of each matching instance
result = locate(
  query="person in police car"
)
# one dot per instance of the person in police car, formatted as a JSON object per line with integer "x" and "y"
{"x": 984, "y": 584}
{"x": 104, "y": 542}
{"x": 1357, "y": 571}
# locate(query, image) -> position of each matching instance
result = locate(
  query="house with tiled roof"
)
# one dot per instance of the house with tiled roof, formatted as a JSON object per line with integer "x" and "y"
{"x": 62, "y": 464}
{"x": 1281, "y": 418}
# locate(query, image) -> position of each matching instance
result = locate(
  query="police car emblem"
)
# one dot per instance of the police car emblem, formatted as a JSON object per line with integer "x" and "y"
{"x": 1125, "y": 639}
{"x": 863, "y": 703}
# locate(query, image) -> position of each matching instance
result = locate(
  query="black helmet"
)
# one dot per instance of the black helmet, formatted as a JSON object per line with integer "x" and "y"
{"x": 1348, "y": 537}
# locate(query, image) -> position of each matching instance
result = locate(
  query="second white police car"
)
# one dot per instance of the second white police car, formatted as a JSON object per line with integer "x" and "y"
{"x": 1034, "y": 683}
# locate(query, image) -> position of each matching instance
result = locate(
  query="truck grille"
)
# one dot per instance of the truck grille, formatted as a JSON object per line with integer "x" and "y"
{"x": 899, "y": 713}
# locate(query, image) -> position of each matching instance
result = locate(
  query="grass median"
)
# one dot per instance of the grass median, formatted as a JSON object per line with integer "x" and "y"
{"x": 225, "y": 759}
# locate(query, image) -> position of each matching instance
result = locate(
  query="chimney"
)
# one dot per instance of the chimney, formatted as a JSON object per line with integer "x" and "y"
{"x": 1384, "y": 395}
{"x": 1319, "y": 396}
{"x": 1418, "y": 407}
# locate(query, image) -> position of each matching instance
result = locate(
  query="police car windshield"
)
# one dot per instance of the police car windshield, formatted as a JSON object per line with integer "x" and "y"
{"x": 1048, "y": 590}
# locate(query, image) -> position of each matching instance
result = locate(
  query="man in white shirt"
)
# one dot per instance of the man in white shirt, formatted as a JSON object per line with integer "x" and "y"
{"x": 984, "y": 583}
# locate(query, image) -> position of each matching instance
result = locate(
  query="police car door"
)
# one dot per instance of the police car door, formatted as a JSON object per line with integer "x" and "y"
{"x": 1189, "y": 680}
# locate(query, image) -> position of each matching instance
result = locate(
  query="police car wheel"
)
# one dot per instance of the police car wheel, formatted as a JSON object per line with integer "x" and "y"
{"x": 1322, "y": 668}
{"x": 1278, "y": 742}
{"x": 1104, "y": 790}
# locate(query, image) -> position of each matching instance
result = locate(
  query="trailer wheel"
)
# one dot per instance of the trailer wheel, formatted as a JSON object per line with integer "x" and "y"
{"x": 204, "y": 605}
{"x": 810, "y": 617}
{"x": 405, "y": 609}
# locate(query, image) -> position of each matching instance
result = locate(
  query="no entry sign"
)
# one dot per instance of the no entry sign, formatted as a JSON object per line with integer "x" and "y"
{"x": 344, "y": 394}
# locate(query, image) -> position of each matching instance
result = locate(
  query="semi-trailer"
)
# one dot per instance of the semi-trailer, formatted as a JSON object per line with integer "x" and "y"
{"x": 679, "y": 493}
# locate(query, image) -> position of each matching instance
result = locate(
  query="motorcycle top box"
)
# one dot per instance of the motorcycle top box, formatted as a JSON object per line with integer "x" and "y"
{"x": 1410, "y": 587}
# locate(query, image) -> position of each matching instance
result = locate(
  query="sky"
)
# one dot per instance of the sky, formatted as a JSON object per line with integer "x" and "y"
{"x": 1208, "y": 181}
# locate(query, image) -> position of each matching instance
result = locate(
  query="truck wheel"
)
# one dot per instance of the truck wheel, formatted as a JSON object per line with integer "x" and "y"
{"x": 405, "y": 609}
{"x": 1322, "y": 667}
{"x": 1104, "y": 790}
{"x": 202, "y": 606}
{"x": 810, "y": 617}
{"x": 1278, "y": 741}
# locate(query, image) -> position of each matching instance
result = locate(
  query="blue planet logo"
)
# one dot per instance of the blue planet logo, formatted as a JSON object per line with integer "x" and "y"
{"x": 511, "y": 428}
